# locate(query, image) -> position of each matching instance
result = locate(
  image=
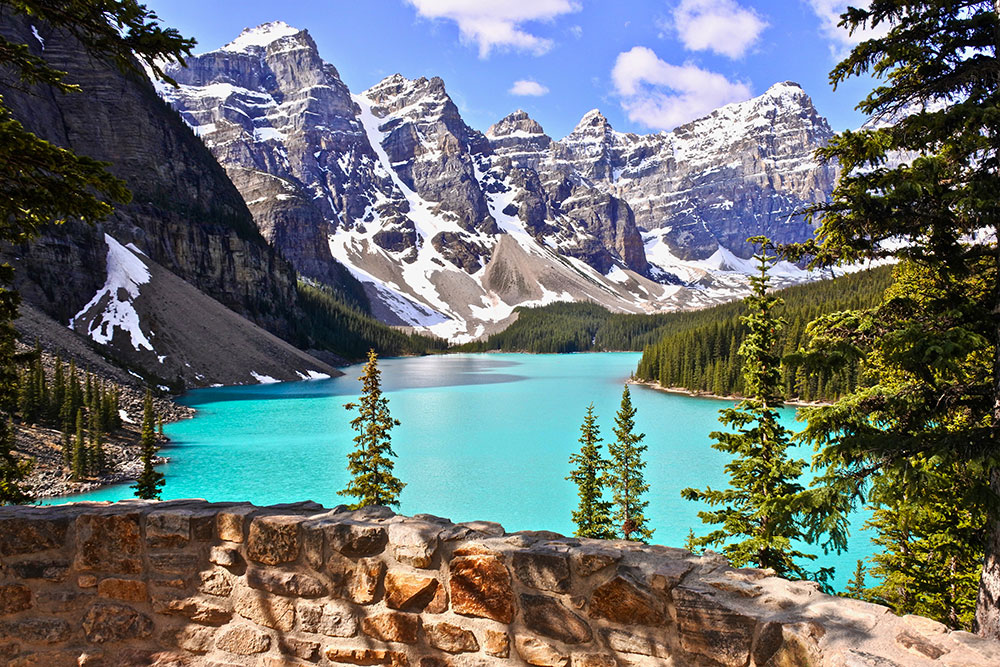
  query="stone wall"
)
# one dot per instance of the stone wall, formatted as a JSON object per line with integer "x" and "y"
{"x": 193, "y": 583}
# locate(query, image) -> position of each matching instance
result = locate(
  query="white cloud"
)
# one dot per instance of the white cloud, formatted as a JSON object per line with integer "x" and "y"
{"x": 662, "y": 96}
{"x": 722, "y": 26}
{"x": 528, "y": 87}
{"x": 494, "y": 24}
{"x": 829, "y": 11}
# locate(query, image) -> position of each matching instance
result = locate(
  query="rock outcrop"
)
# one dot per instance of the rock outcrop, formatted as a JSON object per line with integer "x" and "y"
{"x": 193, "y": 583}
{"x": 185, "y": 216}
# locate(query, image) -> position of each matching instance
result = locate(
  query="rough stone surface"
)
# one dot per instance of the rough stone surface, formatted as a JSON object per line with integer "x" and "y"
{"x": 128, "y": 590}
{"x": 497, "y": 643}
{"x": 480, "y": 586}
{"x": 451, "y": 638}
{"x": 14, "y": 598}
{"x": 109, "y": 543}
{"x": 274, "y": 539}
{"x": 268, "y": 610}
{"x": 243, "y": 640}
{"x": 409, "y": 592}
{"x": 113, "y": 622}
{"x": 484, "y": 598}
{"x": 392, "y": 627}
{"x": 413, "y": 543}
{"x": 622, "y": 600}
{"x": 545, "y": 570}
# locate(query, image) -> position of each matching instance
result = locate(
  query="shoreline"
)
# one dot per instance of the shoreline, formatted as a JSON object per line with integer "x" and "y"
{"x": 704, "y": 394}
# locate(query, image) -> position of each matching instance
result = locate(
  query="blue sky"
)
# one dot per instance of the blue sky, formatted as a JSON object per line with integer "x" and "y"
{"x": 648, "y": 65}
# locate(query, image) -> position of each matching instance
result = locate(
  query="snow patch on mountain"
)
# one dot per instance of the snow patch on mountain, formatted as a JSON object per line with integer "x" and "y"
{"x": 260, "y": 37}
{"x": 126, "y": 272}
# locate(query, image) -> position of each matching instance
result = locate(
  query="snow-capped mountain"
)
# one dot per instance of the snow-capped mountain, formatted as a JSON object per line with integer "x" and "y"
{"x": 450, "y": 229}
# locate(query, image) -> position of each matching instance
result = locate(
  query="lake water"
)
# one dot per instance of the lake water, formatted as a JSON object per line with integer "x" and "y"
{"x": 482, "y": 436}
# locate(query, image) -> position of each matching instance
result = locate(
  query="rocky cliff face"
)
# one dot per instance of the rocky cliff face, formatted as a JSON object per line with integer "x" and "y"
{"x": 194, "y": 583}
{"x": 185, "y": 214}
{"x": 393, "y": 184}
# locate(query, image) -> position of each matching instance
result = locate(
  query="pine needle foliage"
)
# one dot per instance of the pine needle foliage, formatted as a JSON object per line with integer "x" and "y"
{"x": 593, "y": 515}
{"x": 371, "y": 462}
{"x": 150, "y": 481}
{"x": 760, "y": 514}
{"x": 625, "y": 475}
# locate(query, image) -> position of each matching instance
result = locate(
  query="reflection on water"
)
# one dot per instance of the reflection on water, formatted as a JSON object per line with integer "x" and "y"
{"x": 398, "y": 374}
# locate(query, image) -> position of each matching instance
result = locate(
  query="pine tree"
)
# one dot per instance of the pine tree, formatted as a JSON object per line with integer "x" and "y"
{"x": 149, "y": 483}
{"x": 923, "y": 188}
{"x": 58, "y": 392}
{"x": 95, "y": 457}
{"x": 761, "y": 512}
{"x": 856, "y": 585}
{"x": 592, "y": 517}
{"x": 80, "y": 463}
{"x": 625, "y": 474}
{"x": 370, "y": 464}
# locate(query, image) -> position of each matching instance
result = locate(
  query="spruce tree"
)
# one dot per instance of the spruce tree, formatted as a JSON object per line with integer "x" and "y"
{"x": 149, "y": 483}
{"x": 58, "y": 393}
{"x": 95, "y": 456}
{"x": 856, "y": 585}
{"x": 371, "y": 464}
{"x": 592, "y": 517}
{"x": 922, "y": 186}
{"x": 761, "y": 513}
{"x": 80, "y": 463}
{"x": 625, "y": 475}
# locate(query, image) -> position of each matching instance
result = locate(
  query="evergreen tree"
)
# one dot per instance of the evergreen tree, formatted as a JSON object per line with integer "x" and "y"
{"x": 761, "y": 512}
{"x": 370, "y": 464}
{"x": 936, "y": 66}
{"x": 80, "y": 463}
{"x": 856, "y": 585}
{"x": 149, "y": 483}
{"x": 625, "y": 474}
{"x": 58, "y": 393}
{"x": 592, "y": 517}
{"x": 95, "y": 456}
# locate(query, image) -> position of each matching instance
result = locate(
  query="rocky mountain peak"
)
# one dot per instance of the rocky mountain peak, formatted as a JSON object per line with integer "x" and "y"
{"x": 591, "y": 121}
{"x": 517, "y": 123}
{"x": 261, "y": 37}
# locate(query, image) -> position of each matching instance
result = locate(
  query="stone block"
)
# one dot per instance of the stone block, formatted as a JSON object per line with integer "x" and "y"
{"x": 921, "y": 646}
{"x": 109, "y": 543}
{"x": 593, "y": 660}
{"x": 127, "y": 590}
{"x": 225, "y": 556}
{"x": 292, "y": 584}
{"x": 50, "y": 570}
{"x": 392, "y": 627}
{"x": 198, "y": 609}
{"x": 14, "y": 598}
{"x": 356, "y": 539}
{"x": 709, "y": 629}
{"x": 548, "y": 617}
{"x": 86, "y": 581}
{"x": 623, "y": 600}
{"x": 631, "y": 642}
{"x": 413, "y": 542}
{"x": 25, "y": 536}
{"x": 333, "y": 619}
{"x": 105, "y": 622}
{"x": 536, "y": 652}
{"x": 274, "y": 539}
{"x": 217, "y": 582}
{"x": 544, "y": 570}
{"x": 44, "y": 630}
{"x": 306, "y": 649}
{"x": 497, "y": 643}
{"x": 60, "y": 601}
{"x": 480, "y": 586}
{"x": 168, "y": 529}
{"x": 451, "y": 638}
{"x": 269, "y": 611}
{"x": 366, "y": 656}
{"x": 229, "y": 523}
{"x": 409, "y": 592}
{"x": 313, "y": 536}
{"x": 365, "y": 580}
{"x": 174, "y": 563}
{"x": 589, "y": 560}
{"x": 243, "y": 640}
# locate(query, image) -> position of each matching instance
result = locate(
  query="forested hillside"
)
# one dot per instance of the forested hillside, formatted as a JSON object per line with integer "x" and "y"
{"x": 700, "y": 353}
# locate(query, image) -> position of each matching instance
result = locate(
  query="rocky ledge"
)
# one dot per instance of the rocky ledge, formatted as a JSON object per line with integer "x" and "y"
{"x": 194, "y": 583}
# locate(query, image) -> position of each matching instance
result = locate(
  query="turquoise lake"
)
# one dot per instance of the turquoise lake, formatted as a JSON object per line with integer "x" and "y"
{"x": 482, "y": 436}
